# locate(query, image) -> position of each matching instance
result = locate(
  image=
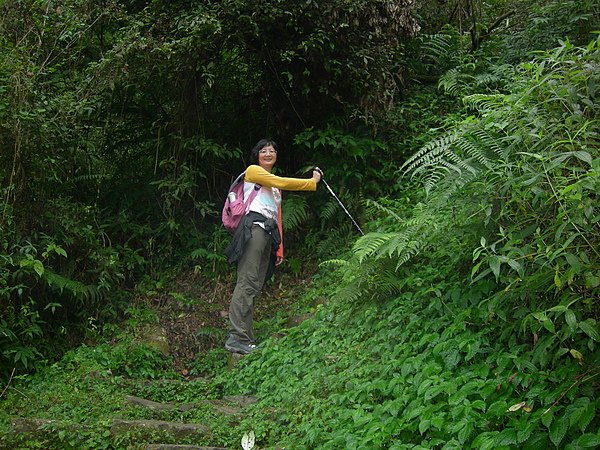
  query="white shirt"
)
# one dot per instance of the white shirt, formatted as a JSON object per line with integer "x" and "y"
{"x": 266, "y": 202}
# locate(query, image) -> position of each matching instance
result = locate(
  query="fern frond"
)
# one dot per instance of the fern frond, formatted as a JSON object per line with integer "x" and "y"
{"x": 412, "y": 249}
{"x": 294, "y": 212}
{"x": 439, "y": 48}
{"x": 369, "y": 244}
{"x": 329, "y": 210}
{"x": 436, "y": 48}
{"x": 388, "y": 282}
{"x": 454, "y": 81}
{"x": 429, "y": 152}
{"x": 334, "y": 262}
{"x": 471, "y": 149}
{"x": 484, "y": 102}
{"x": 487, "y": 79}
{"x": 395, "y": 245}
{"x": 433, "y": 177}
{"x": 79, "y": 290}
{"x": 373, "y": 206}
{"x": 351, "y": 292}
{"x": 491, "y": 142}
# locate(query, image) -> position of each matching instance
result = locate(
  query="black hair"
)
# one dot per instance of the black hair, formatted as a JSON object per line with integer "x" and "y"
{"x": 259, "y": 146}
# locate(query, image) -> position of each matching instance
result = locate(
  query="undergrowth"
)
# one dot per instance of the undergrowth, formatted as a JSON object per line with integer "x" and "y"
{"x": 431, "y": 368}
{"x": 81, "y": 395}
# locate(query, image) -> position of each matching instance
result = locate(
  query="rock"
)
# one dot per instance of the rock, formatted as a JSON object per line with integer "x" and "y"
{"x": 42, "y": 427}
{"x": 186, "y": 407}
{"x": 294, "y": 321}
{"x": 232, "y": 405}
{"x": 174, "y": 428}
{"x": 180, "y": 447}
{"x": 234, "y": 359}
{"x": 155, "y": 336}
{"x": 241, "y": 400}
{"x": 24, "y": 425}
{"x": 169, "y": 381}
{"x": 149, "y": 404}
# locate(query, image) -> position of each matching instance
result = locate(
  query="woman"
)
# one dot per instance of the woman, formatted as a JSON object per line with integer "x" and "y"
{"x": 256, "y": 245}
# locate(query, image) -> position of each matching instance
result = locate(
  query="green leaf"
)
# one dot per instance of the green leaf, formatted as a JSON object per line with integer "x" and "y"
{"x": 438, "y": 422}
{"x": 424, "y": 426}
{"x": 549, "y": 325}
{"x": 571, "y": 319}
{"x": 508, "y": 436}
{"x": 588, "y": 440}
{"x": 523, "y": 435}
{"x": 557, "y": 281}
{"x": 478, "y": 404}
{"x": 485, "y": 441}
{"x": 465, "y": 432}
{"x": 558, "y": 308}
{"x": 586, "y": 417}
{"x": 577, "y": 355}
{"x": 589, "y": 327}
{"x": 547, "y": 419}
{"x": 494, "y": 263}
{"x": 498, "y": 408}
{"x": 573, "y": 261}
{"x": 558, "y": 430}
{"x": 516, "y": 266}
{"x": 38, "y": 267}
{"x": 583, "y": 156}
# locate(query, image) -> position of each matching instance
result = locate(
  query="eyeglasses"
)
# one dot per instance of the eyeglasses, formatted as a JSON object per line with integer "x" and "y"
{"x": 267, "y": 152}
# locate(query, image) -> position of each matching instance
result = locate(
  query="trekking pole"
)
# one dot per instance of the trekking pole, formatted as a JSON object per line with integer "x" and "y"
{"x": 339, "y": 201}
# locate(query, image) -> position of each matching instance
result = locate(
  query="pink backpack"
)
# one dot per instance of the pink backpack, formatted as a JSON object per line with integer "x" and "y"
{"x": 235, "y": 206}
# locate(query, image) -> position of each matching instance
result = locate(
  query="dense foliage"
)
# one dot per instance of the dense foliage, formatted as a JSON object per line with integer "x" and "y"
{"x": 409, "y": 355}
{"x": 462, "y": 134}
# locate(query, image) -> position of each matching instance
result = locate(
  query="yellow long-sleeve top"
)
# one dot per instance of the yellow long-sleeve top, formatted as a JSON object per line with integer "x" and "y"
{"x": 268, "y": 200}
{"x": 256, "y": 174}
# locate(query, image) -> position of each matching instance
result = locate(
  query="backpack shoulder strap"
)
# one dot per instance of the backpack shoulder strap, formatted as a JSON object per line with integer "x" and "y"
{"x": 252, "y": 195}
{"x": 239, "y": 178}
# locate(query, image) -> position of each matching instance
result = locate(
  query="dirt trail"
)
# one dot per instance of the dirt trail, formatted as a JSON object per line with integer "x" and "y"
{"x": 193, "y": 312}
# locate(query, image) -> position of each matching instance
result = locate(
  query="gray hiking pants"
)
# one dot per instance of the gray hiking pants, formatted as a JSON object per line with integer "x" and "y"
{"x": 251, "y": 271}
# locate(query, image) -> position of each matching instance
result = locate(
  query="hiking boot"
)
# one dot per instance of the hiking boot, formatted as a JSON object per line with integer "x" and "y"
{"x": 237, "y": 347}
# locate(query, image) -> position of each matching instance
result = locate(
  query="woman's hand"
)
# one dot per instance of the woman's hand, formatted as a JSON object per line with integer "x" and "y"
{"x": 278, "y": 260}
{"x": 317, "y": 174}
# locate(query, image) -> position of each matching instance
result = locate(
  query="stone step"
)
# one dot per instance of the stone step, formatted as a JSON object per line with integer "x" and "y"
{"x": 241, "y": 400}
{"x": 234, "y": 359}
{"x": 180, "y": 447}
{"x": 231, "y": 405}
{"x": 156, "y": 406}
{"x": 26, "y": 425}
{"x": 177, "y": 429}
{"x": 41, "y": 427}
{"x": 228, "y": 405}
{"x": 170, "y": 381}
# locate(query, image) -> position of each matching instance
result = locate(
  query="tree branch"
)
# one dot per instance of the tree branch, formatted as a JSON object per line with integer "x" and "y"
{"x": 477, "y": 39}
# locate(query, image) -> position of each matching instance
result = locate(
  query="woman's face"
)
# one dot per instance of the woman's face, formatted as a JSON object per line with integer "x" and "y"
{"x": 267, "y": 156}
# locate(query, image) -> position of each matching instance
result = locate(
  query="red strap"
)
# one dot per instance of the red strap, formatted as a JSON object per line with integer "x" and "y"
{"x": 280, "y": 249}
